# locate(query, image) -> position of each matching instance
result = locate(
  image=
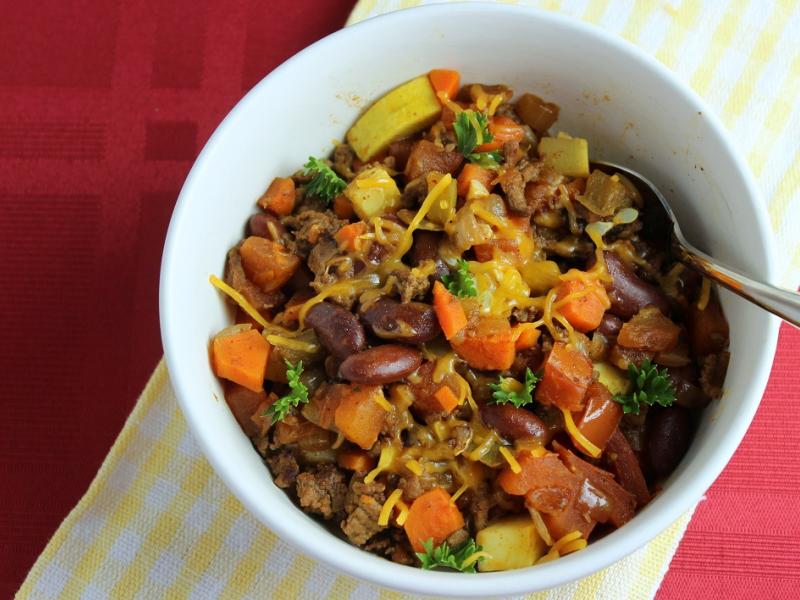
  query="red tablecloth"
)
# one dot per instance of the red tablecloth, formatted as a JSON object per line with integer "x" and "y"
{"x": 103, "y": 106}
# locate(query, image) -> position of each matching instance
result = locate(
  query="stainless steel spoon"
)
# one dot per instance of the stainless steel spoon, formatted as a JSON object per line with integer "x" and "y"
{"x": 778, "y": 301}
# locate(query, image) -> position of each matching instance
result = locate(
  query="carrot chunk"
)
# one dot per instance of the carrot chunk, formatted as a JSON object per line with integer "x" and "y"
{"x": 446, "y": 81}
{"x": 355, "y": 460}
{"x": 279, "y": 197}
{"x": 241, "y": 358}
{"x": 567, "y": 375}
{"x": 491, "y": 346}
{"x": 503, "y": 129}
{"x": 472, "y": 171}
{"x": 347, "y": 236}
{"x": 359, "y": 416}
{"x": 583, "y": 303}
{"x": 448, "y": 310}
{"x": 432, "y": 516}
{"x": 445, "y": 398}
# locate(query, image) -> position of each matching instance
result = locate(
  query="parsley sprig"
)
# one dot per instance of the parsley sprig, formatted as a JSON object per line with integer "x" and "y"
{"x": 650, "y": 386}
{"x": 443, "y": 556}
{"x": 460, "y": 282}
{"x": 467, "y": 126}
{"x": 508, "y": 390}
{"x": 298, "y": 393}
{"x": 325, "y": 184}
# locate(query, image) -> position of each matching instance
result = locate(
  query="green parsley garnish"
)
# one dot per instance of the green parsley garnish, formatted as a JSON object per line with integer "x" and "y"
{"x": 510, "y": 390}
{"x": 298, "y": 393}
{"x": 443, "y": 556}
{"x": 326, "y": 184}
{"x": 460, "y": 282}
{"x": 650, "y": 386}
{"x": 467, "y": 125}
{"x": 487, "y": 160}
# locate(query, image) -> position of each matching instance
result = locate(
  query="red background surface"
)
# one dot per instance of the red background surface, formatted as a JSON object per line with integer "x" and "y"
{"x": 103, "y": 107}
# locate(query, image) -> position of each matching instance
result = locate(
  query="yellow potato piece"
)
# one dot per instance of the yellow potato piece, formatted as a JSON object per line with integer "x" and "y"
{"x": 566, "y": 155}
{"x": 512, "y": 542}
{"x": 373, "y": 193}
{"x": 616, "y": 380}
{"x": 405, "y": 110}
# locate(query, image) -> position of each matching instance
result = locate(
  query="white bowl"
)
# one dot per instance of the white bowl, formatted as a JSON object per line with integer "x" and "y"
{"x": 631, "y": 109}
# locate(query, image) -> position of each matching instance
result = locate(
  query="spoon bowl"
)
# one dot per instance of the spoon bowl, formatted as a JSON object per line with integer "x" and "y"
{"x": 780, "y": 302}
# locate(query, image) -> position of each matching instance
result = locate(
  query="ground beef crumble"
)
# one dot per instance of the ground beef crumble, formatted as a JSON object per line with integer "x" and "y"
{"x": 322, "y": 491}
{"x": 363, "y": 505}
{"x": 284, "y": 468}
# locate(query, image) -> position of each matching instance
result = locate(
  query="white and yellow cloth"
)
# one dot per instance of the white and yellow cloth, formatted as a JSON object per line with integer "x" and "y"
{"x": 157, "y": 522}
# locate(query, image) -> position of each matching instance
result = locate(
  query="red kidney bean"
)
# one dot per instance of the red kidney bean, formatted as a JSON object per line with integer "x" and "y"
{"x": 412, "y": 322}
{"x": 628, "y": 293}
{"x": 669, "y": 432}
{"x": 380, "y": 364}
{"x": 339, "y": 330}
{"x": 268, "y": 226}
{"x": 514, "y": 423}
{"x": 687, "y": 393}
{"x": 426, "y": 247}
{"x": 610, "y": 325}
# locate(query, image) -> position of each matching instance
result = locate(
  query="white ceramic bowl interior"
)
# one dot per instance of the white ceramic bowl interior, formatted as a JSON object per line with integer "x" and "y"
{"x": 631, "y": 109}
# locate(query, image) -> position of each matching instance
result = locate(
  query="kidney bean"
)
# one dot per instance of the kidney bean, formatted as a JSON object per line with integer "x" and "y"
{"x": 628, "y": 293}
{"x": 610, "y": 325}
{"x": 514, "y": 423}
{"x": 426, "y": 247}
{"x": 412, "y": 322}
{"x": 339, "y": 330}
{"x": 380, "y": 364}
{"x": 687, "y": 393}
{"x": 268, "y": 226}
{"x": 669, "y": 432}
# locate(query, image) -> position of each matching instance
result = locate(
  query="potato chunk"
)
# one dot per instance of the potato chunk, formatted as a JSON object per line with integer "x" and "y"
{"x": 512, "y": 542}
{"x": 373, "y": 193}
{"x": 404, "y": 111}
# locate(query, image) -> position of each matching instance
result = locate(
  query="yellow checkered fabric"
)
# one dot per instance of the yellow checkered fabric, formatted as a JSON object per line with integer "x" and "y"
{"x": 157, "y": 522}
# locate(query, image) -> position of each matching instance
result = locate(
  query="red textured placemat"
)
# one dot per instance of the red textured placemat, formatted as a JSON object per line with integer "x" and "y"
{"x": 103, "y": 106}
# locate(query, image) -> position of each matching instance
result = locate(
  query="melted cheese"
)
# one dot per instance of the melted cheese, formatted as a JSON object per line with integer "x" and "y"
{"x": 284, "y": 342}
{"x": 386, "y": 509}
{"x": 415, "y": 467}
{"x": 512, "y": 462}
{"x": 238, "y": 298}
{"x": 427, "y": 204}
{"x": 579, "y": 438}
{"x": 382, "y": 402}
{"x": 403, "y": 515}
{"x": 388, "y": 452}
{"x": 347, "y": 286}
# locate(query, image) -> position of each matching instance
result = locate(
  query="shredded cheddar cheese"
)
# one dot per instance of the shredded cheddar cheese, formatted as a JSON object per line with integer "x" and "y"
{"x": 401, "y": 518}
{"x": 427, "y": 204}
{"x": 386, "y": 509}
{"x": 705, "y": 294}
{"x": 284, "y": 342}
{"x": 579, "y": 438}
{"x": 381, "y": 401}
{"x": 347, "y": 286}
{"x": 414, "y": 466}
{"x": 384, "y": 462}
{"x": 238, "y": 298}
{"x": 512, "y": 462}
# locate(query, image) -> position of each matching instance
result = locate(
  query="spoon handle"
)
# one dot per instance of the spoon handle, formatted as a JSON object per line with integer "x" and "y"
{"x": 784, "y": 303}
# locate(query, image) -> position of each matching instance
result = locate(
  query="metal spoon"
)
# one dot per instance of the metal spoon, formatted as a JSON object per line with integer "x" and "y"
{"x": 778, "y": 301}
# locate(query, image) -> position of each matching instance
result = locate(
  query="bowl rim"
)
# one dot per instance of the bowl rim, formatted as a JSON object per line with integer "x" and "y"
{"x": 601, "y": 553}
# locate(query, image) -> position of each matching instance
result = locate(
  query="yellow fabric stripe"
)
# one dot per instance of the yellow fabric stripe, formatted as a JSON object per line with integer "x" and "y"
{"x": 770, "y": 33}
{"x": 595, "y": 10}
{"x": 128, "y": 507}
{"x": 787, "y": 189}
{"x": 681, "y": 24}
{"x": 642, "y": 11}
{"x": 293, "y": 581}
{"x": 720, "y": 43}
{"x": 240, "y": 582}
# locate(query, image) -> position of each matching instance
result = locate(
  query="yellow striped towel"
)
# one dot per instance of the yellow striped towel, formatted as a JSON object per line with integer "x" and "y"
{"x": 157, "y": 522}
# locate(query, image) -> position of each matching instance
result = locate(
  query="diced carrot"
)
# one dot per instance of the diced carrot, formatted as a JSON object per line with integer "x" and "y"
{"x": 266, "y": 263}
{"x": 584, "y": 303}
{"x": 545, "y": 473}
{"x": 600, "y": 417}
{"x": 567, "y": 375}
{"x": 359, "y": 417}
{"x": 241, "y": 358}
{"x": 472, "y": 171}
{"x": 446, "y": 81}
{"x": 432, "y": 516}
{"x": 423, "y": 389}
{"x": 355, "y": 460}
{"x": 342, "y": 207}
{"x": 445, "y": 398}
{"x": 526, "y": 336}
{"x": 347, "y": 236}
{"x": 449, "y": 311}
{"x": 279, "y": 197}
{"x": 490, "y": 346}
{"x": 503, "y": 129}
